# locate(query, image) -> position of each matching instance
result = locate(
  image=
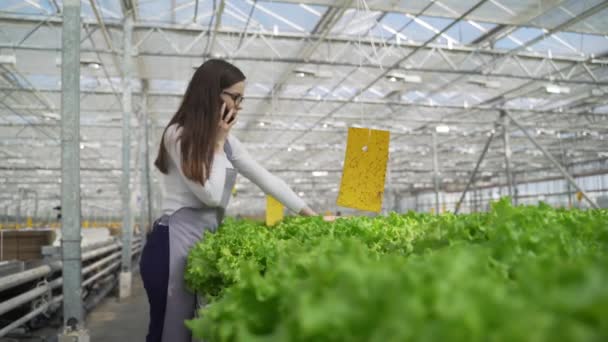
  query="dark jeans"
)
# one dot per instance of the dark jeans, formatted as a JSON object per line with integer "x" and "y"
{"x": 154, "y": 269}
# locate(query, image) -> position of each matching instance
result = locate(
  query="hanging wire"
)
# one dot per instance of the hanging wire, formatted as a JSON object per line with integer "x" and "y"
{"x": 361, "y": 5}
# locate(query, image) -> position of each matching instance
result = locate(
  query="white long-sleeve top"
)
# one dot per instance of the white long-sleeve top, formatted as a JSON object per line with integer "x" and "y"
{"x": 180, "y": 192}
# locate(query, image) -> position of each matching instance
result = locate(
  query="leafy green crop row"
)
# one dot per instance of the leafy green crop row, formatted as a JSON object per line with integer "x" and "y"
{"x": 513, "y": 274}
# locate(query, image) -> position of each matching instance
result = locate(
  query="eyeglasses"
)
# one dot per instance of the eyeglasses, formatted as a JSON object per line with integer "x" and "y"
{"x": 237, "y": 98}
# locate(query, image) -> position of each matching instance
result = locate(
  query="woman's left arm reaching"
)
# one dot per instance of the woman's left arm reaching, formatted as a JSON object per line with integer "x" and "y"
{"x": 268, "y": 182}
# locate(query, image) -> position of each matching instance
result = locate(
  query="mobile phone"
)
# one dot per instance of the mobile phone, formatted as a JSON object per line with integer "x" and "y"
{"x": 225, "y": 114}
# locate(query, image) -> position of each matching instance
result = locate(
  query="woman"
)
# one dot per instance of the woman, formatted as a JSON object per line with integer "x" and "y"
{"x": 199, "y": 161}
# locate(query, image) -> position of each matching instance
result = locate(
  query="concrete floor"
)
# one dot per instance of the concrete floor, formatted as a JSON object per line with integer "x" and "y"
{"x": 112, "y": 320}
{"x": 121, "y": 320}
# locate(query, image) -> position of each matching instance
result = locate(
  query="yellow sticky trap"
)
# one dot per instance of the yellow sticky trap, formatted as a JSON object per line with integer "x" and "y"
{"x": 274, "y": 211}
{"x": 85, "y": 224}
{"x": 579, "y": 196}
{"x": 29, "y": 223}
{"x": 364, "y": 171}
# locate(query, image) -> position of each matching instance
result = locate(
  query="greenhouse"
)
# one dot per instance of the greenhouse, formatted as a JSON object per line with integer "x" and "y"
{"x": 349, "y": 170}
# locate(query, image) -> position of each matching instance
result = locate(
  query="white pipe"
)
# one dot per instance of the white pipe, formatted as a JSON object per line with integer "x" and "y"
{"x": 101, "y": 273}
{"x": 95, "y": 253}
{"x": 91, "y": 254}
{"x": 23, "y": 298}
{"x": 15, "y": 302}
{"x": 29, "y": 316}
{"x": 13, "y": 280}
{"x": 101, "y": 262}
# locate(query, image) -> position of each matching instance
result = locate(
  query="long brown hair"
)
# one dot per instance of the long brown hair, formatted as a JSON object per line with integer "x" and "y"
{"x": 198, "y": 116}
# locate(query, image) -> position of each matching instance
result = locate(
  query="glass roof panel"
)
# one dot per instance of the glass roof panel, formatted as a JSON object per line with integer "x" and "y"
{"x": 467, "y": 31}
{"x": 184, "y": 12}
{"x": 27, "y": 7}
{"x": 596, "y": 23}
{"x": 518, "y": 38}
{"x": 288, "y": 17}
{"x": 266, "y": 16}
{"x": 390, "y": 26}
{"x": 423, "y": 28}
{"x": 355, "y": 22}
{"x": 107, "y": 9}
{"x": 161, "y": 11}
{"x": 570, "y": 43}
{"x": 566, "y": 11}
{"x": 235, "y": 16}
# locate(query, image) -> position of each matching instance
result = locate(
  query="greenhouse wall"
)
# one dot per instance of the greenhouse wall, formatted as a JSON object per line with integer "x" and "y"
{"x": 557, "y": 193}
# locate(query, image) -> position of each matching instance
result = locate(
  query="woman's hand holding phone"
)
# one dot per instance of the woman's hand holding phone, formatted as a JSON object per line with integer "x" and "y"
{"x": 227, "y": 120}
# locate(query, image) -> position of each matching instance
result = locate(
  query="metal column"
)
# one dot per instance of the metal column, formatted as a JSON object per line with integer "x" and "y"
{"x": 5, "y": 218}
{"x": 73, "y": 312}
{"x": 145, "y": 209}
{"x": 154, "y": 192}
{"x": 507, "y": 150}
{"x": 20, "y": 196}
{"x": 127, "y": 228}
{"x": 436, "y": 173}
{"x": 555, "y": 162}
{"x": 515, "y": 190}
{"x": 563, "y": 157}
{"x": 36, "y": 202}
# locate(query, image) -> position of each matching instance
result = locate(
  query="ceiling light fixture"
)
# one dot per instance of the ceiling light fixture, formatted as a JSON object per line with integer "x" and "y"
{"x": 302, "y": 72}
{"x": 8, "y": 59}
{"x": 94, "y": 66}
{"x": 485, "y": 83}
{"x": 556, "y": 89}
{"x": 442, "y": 129}
{"x": 92, "y": 63}
{"x": 51, "y": 116}
{"x": 396, "y": 76}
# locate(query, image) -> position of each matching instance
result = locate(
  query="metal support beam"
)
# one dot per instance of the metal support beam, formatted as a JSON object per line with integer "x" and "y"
{"x": 127, "y": 228}
{"x": 552, "y": 160}
{"x": 20, "y": 196}
{"x": 106, "y": 34}
{"x": 436, "y": 173}
{"x": 563, "y": 160}
{"x": 5, "y": 224}
{"x": 73, "y": 313}
{"x": 195, "y": 11}
{"x": 507, "y": 151}
{"x": 145, "y": 209}
{"x": 218, "y": 22}
{"x": 36, "y": 203}
{"x": 474, "y": 173}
